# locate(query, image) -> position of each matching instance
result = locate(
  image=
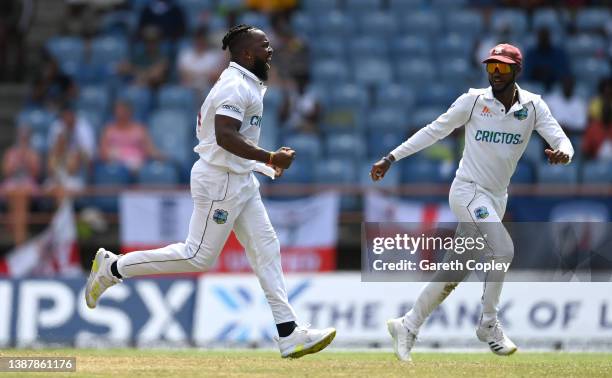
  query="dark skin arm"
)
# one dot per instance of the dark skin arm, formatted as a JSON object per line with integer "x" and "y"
{"x": 230, "y": 139}
{"x": 380, "y": 168}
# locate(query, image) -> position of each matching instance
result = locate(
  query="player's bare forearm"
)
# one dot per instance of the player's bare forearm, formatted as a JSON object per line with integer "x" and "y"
{"x": 230, "y": 139}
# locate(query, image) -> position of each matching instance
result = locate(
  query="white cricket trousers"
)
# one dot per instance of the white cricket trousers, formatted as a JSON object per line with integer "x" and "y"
{"x": 223, "y": 201}
{"x": 465, "y": 198}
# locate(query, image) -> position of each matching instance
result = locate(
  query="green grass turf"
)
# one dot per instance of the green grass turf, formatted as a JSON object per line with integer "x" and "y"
{"x": 202, "y": 363}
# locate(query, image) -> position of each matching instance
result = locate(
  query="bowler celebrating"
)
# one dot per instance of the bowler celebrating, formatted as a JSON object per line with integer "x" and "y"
{"x": 498, "y": 121}
{"x": 226, "y": 195}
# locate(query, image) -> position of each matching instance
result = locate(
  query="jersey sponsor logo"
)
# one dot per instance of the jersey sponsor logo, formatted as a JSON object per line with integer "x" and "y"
{"x": 256, "y": 121}
{"x": 498, "y": 137}
{"x": 521, "y": 114}
{"x": 486, "y": 112}
{"x": 220, "y": 216}
{"x": 481, "y": 212}
{"x": 232, "y": 108}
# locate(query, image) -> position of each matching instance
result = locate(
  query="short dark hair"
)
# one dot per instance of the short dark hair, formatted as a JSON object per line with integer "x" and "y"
{"x": 236, "y": 35}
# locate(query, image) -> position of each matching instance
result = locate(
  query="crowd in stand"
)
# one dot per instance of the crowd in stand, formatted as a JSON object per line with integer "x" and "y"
{"x": 119, "y": 90}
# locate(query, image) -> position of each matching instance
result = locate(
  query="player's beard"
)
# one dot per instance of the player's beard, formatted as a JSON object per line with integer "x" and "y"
{"x": 260, "y": 68}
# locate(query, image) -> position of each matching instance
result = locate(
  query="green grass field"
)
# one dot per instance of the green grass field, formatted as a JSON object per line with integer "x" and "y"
{"x": 202, "y": 363}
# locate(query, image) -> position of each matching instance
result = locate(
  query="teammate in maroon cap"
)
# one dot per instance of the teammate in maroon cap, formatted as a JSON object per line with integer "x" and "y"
{"x": 498, "y": 121}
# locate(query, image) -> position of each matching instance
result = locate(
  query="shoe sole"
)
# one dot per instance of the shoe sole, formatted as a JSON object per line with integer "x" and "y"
{"x": 95, "y": 266}
{"x": 507, "y": 354}
{"x": 317, "y": 347}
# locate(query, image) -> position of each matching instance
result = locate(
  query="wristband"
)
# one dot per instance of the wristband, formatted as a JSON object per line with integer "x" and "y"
{"x": 270, "y": 159}
{"x": 386, "y": 158}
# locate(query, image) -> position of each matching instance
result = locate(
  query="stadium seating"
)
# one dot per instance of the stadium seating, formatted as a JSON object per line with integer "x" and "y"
{"x": 345, "y": 145}
{"x": 534, "y": 152}
{"x": 387, "y": 119}
{"x": 416, "y": 73}
{"x": 421, "y": 23}
{"x": 334, "y": 23}
{"x": 175, "y": 97}
{"x": 66, "y": 49}
{"x": 390, "y": 181}
{"x": 395, "y": 95}
{"x": 407, "y": 47}
{"x": 140, "y": 98}
{"x": 373, "y": 72}
{"x": 378, "y": 24}
{"x": 464, "y": 22}
{"x": 515, "y": 19}
{"x": 94, "y": 98}
{"x": 158, "y": 173}
{"x": 405, "y": 6}
{"x": 593, "y": 19}
{"x": 524, "y": 173}
{"x": 597, "y": 172}
{"x": 109, "y": 174}
{"x": 330, "y": 49}
{"x": 367, "y": 47}
{"x": 306, "y": 146}
{"x": 381, "y": 142}
{"x": 557, "y": 174}
{"x": 330, "y": 71}
{"x": 418, "y": 170}
{"x": 172, "y": 133}
{"x": 108, "y": 50}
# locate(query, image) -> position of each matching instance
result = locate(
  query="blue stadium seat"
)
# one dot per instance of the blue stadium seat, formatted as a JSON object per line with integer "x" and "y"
{"x": 557, "y": 174}
{"x": 269, "y": 132}
{"x": 306, "y": 145}
{"x": 110, "y": 174}
{"x": 96, "y": 119}
{"x": 330, "y": 71}
{"x": 158, "y": 173}
{"x": 534, "y": 152}
{"x": 381, "y": 142}
{"x": 172, "y": 132}
{"x": 378, "y": 24}
{"x": 300, "y": 172}
{"x": 523, "y": 174}
{"x": 449, "y": 5}
{"x": 452, "y": 46}
{"x": 66, "y": 49}
{"x": 464, "y": 22}
{"x": 405, "y": 6}
{"x": 273, "y": 100}
{"x": 548, "y": 18}
{"x": 94, "y": 98}
{"x": 585, "y": 45}
{"x": 119, "y": 23}
{"x": 597, "y": 172}
{"x": 319, "y": 6}
{"x": 303, "y": 24}
{"x": 387, "y": 118}
{"x": 373, "y": 72}
{"x": 408, "y": 47}
{"x": 363, "y": 6}
{"x": 425, "y": 115}
{"x": 336, "y": 171}
{"x": 421, "y": 22}
{"x": 418, "y": 170}
{"x": 437, "y": 94}
{"x": 344, "y": 114}
{"x": 457, "y": 70}
{"x": 176, "y": 97}
{"x": 140, "y": 98}
{"x": 593, "y": 19}
{"x": 330, "y": 48}
{"x": 395, "y": 95}
{"x": 345, "y": 146}
{"x": 39, "y": 122}
{"x": 334, "y": 24}
{"x": 516, "y": 19}
{"x": 349, "y": 96}
{"x": 108, "y": 50}
{"x": 533, "y": 86}
{"x": 259, "y": 20}
{"x": 415, "y": 73}
{"x": 591, "y": 70}
{"x": 367, "y": 47}
{"x": 197, "y": 5}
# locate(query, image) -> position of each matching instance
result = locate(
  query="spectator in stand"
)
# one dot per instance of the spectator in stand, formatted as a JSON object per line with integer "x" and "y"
{"x": 291, "y": 54}
{"x": 15, "y": 19}
{"x": 546, "y": 63}
{"x": 51, "y": 87}
{"x": 164, "y": 15}
{"x": 67, "y": 165}
{"x": 271, "y": 5}
{"x": 77, "y": 131}
{"x": 127, "y": 141}
{"x": 21, "y": 169}
{"x": 200, "y": 66}
{"x": 603, "y": 99}
{"x": 569, "y": 109}
{"x": 301, "y": 110}
{"x": 148, "y": 65}
{"x": 597, "y": 142}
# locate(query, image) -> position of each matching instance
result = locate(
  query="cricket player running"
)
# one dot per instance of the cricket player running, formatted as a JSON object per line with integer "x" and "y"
{"x": 226, "y": 195}
{"x": 498, "y": 121}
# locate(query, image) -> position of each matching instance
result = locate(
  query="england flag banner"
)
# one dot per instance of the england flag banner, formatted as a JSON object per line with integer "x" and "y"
{"x": 307, "y": 229}
{"x": 383, "y": 208}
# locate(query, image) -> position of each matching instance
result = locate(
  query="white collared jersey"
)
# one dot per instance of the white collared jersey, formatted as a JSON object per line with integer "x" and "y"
{"x": 494, "y": 140}
{"x": 238, "y": 94}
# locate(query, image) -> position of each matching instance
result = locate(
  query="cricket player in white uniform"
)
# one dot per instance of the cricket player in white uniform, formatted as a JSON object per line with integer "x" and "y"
{"x": 498, "y": 121}
{"x": 226, "y": 195}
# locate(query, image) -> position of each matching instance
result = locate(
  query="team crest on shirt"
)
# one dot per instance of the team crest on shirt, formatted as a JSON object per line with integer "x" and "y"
{"x": 521, "y": 114}
{"x": 481, "y": 212}
{"x": 486, "y": 112}
{"x": 220, "y": 216}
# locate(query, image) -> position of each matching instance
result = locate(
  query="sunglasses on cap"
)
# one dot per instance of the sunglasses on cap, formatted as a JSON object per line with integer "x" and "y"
{"x": 503, "y": 68}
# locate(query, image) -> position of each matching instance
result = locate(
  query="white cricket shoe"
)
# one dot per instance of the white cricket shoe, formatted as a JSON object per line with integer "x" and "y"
{"x": 403, "y": 338}
{"x": 303, "y": 341}
{"x": 493, "y": 335}
{"x": 100, "y": 277}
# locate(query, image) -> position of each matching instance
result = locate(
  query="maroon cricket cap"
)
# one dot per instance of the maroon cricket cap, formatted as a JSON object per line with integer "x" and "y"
{"x": 505, "y": 53}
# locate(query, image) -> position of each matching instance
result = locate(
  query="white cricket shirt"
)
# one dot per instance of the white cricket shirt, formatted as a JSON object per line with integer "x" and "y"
{"x": 238, "y": 94}
{"x": 494, "y": 139}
